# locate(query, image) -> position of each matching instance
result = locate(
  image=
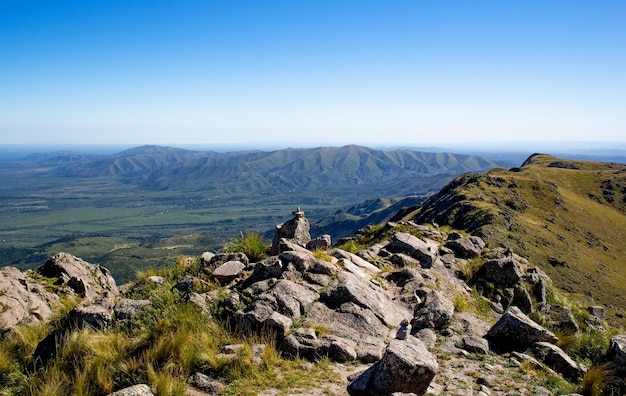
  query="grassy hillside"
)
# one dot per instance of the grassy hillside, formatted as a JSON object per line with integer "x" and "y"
{"x": 567, "y": 216}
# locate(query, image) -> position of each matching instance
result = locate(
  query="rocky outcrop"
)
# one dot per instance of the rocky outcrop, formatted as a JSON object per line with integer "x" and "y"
{"x": 558, "y": 360}
{"x": 466, "y": 247}
{"x": 515, "y": 330}
{"x": 616, "y": 353}
{"x": 87, "y": 280}
{"x": 434, "y": 313}
{"x": 407, "y": 366}
{"x": 31, "y": 297}
{"x": 415, "y": 247}
{"x": 22, "y": 300}
{"x": 295, "y": 230}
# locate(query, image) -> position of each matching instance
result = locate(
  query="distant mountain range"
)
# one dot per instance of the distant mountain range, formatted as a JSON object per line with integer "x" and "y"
{"x": 330, "y": 169}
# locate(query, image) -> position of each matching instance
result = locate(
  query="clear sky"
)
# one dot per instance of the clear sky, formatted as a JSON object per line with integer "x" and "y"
{"x": 311, "y": 72}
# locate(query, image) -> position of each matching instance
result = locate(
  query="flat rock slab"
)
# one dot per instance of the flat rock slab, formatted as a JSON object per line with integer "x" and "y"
{"x": 228, "y": 271}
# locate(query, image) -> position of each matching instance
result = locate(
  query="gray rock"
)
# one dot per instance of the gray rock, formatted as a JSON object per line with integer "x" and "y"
{"x": 407, "y": 366}
{"x": 295, "y": 230}
{"x": 289, "y": 298}
{"x": 616, "y": 353}
{"x": 279, "y": 323}
{"x": 205, "y": 258}
{"x": 435, "y": 312}
{"x": 352, "y": 322}
{"x": 127, "y": 308}
{"x": 464, "y": 247}
{"x": 476, "y": 345}
{"x": 320, "y": 243}
{"x": 228, "y": 271}
{"x": 560, "y": 318}
{"x": 199, "y": 300}
{"x": 403, "y": 260}
{"x": 340, "y": 349}
{"x": 302, "y": 260}
{"x": 156, "y": 279}
{"x": 555, "y": 358}
{"x": 186, "y": 284}
{"x": 354, "y": 259}
{"x": 22, "y": 300}
{"x": 521, "y": 298}
{"x": 413, "y": 246}
{"x": 351, "y": 288}
{"x": 504, "y": 272}
{"x": 597, "y": 311}
{"x": 207, "y": 384}
{"x": 371, "y": 252}
{"x": 94, "y": 316}
{"x": 222, "y": 258}
{"x": 135, "y": 390}
{"x": 87, "y": 280}
{"x": 516, "y": 330}
{"x": 427, "y": 336}
{"x": 403, "y": 276}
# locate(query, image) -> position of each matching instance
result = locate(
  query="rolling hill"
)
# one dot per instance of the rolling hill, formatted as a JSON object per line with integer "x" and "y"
{"x": 566, "y": 216}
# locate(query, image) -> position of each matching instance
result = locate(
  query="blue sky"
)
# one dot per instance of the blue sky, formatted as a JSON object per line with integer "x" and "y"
{"x": 312, "y": 72}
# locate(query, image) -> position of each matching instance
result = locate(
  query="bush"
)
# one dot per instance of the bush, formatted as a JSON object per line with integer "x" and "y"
{"x": 250, "y": 243}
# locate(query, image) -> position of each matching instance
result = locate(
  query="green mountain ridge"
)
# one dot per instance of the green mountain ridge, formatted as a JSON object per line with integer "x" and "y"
{"x": 566, "y": 216}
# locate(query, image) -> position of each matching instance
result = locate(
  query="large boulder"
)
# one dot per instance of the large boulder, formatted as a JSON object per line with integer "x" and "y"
{"x": 352, "y": 322}
{"x": 516, "y": 330}
{"x": 295, "y": 230}
{"x": 465, "y": 247}
{"x": 351, "y": 288}
{"x": 407, "y": 366}
{"x": 555, "y": 358}
{"x": 434, "y": 313}
{"x": 617, "y": 353}
{"x": 228, "y": 271}
{"x": 503, "y": 273}
{"x": 22, "y": 300}
{"x": 559, "y": 317}
{"x": 403, "y": 242}
{"x": 85, "y": 279}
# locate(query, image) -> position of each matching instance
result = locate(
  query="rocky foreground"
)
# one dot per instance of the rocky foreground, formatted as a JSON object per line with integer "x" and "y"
{"x": 418, "y": 311}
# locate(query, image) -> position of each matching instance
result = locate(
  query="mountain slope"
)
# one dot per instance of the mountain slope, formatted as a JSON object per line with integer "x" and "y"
{"x": 566, "y": 216}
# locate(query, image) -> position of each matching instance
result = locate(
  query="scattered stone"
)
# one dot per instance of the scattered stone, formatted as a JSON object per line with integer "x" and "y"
{"x": 228, "y": 271}
{"x": 597, "y": 311}
{"x": 504, "y": 272}
{"x": 558, "y": 360}
{"x": 205, "y": 258}
{"x": 156, "y": 279}
{"x": 474, "y": 344}
{"x": 464, "y": 247}
{"x": 135, "y": 390}
{"x": 407, "y": 366}
{"x": 320, "y": 243}
{"x": 516, "y": 330}
{"x": 413, "y": 246}
{"x": 435, "y": 312}
{"x": 186, "y": 284}
{"x": 616, "y": 353}
{"x": 560, "y": 318}
{"x": 207, "y": 384}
